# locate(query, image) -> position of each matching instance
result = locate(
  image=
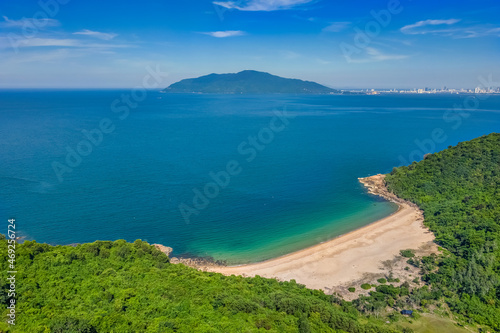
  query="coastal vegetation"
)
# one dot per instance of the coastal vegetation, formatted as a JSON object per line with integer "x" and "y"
{"x": 459, "y": 191}
{"x": 132, "y": 287}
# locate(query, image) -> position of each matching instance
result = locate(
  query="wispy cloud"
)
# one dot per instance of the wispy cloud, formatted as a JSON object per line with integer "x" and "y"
{"x": 375, "y": 55}
{"x": 481, "y": 32}
{"x": 261, "y": 5}
{"x": 29, "y": 22}
{"x": 428, "y": 27}
{"x": 6, "y": 42}
{"x": 224, "y": 34}
{"x": 291, "y": 55}
{"x": 57, "y": 55}
{"x": 449, "y": 28}
{"x": 337, "y": 26}
{"x": 477, "y": 31}
{"x": 34, "y": 42}
{"x": 96, "y": 34}
{"x": 44, "y": 57}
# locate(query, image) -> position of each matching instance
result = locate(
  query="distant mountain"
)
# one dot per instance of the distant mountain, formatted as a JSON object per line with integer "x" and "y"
{"x": 247, "y": 82}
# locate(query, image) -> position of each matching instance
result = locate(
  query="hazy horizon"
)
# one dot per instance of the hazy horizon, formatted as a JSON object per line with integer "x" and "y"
{"x": 368, "y": 44}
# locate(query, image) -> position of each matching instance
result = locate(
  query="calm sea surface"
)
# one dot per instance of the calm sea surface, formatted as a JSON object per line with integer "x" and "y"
{"x": 78, "y": 166}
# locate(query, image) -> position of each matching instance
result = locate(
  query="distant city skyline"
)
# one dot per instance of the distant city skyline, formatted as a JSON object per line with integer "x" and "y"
{"x": 359, "y": 45}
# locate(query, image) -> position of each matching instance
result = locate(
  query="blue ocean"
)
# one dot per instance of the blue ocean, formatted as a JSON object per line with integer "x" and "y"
{"x": 236, "y": 178}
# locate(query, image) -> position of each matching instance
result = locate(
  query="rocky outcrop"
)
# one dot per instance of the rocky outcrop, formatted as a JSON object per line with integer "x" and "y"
{"x": 376, "y": 186}
{"x": 165, "y": 249}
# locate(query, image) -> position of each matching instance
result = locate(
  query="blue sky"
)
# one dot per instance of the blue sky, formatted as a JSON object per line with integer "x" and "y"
{"x": 342, "y": 44}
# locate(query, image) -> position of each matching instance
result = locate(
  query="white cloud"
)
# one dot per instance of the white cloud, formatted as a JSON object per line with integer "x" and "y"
{"x": 44, "y": 57}
{"x": 224, "y": 34}
{"x": 8, "y": 42}
{"x": 291, "y": 55}
{"x": 337, "y": 26}
{"x": 479, "y": 31}
{"x": 34, "y": 42}
{"x": 448, "y": 28}
{"x": 96, "y": 34}
{"x": 29, "y": 23}
{"x": 421, "y": 27}
{"x": 106, "y": 46}
{"x": 379, "y": 56}
{"x": 375, "y": 55}
{"x": 261, "y": 5}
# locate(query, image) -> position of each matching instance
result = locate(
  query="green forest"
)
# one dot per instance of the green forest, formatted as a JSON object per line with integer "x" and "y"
{"x": 132, "y": 287}
{"x": 459, "y": 191}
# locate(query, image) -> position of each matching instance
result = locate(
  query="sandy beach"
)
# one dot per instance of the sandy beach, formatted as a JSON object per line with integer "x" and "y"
{"x": 352, "y": 256}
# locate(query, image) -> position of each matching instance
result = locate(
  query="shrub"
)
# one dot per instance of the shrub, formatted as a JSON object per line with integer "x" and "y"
{"x": 413, "y": 262}
{"x": 352, "y": 289}
{"x": 366, "y": 286}
{"x": 407, "y": 253}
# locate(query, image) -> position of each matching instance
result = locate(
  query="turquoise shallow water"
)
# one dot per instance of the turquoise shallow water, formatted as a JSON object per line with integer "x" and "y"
{"x": 299, "y": 188}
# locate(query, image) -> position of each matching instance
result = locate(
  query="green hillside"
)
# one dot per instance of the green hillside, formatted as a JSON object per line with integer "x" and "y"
{"x": 247, "y": 82}
{"x": 459, "y": 192}
{"x": 132, "y": 287}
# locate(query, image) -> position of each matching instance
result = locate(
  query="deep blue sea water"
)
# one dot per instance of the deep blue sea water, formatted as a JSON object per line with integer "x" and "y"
{"x": 300, "y": 188}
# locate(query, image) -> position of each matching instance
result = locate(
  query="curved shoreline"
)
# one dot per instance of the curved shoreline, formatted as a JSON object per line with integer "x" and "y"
{"x": 350, "y": 256}
{"x": 312, "y": 246}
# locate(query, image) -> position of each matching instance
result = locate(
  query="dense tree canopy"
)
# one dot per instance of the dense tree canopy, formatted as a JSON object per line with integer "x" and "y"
{"x": 131, "y": 287}
{"x": 459, "y": 192}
